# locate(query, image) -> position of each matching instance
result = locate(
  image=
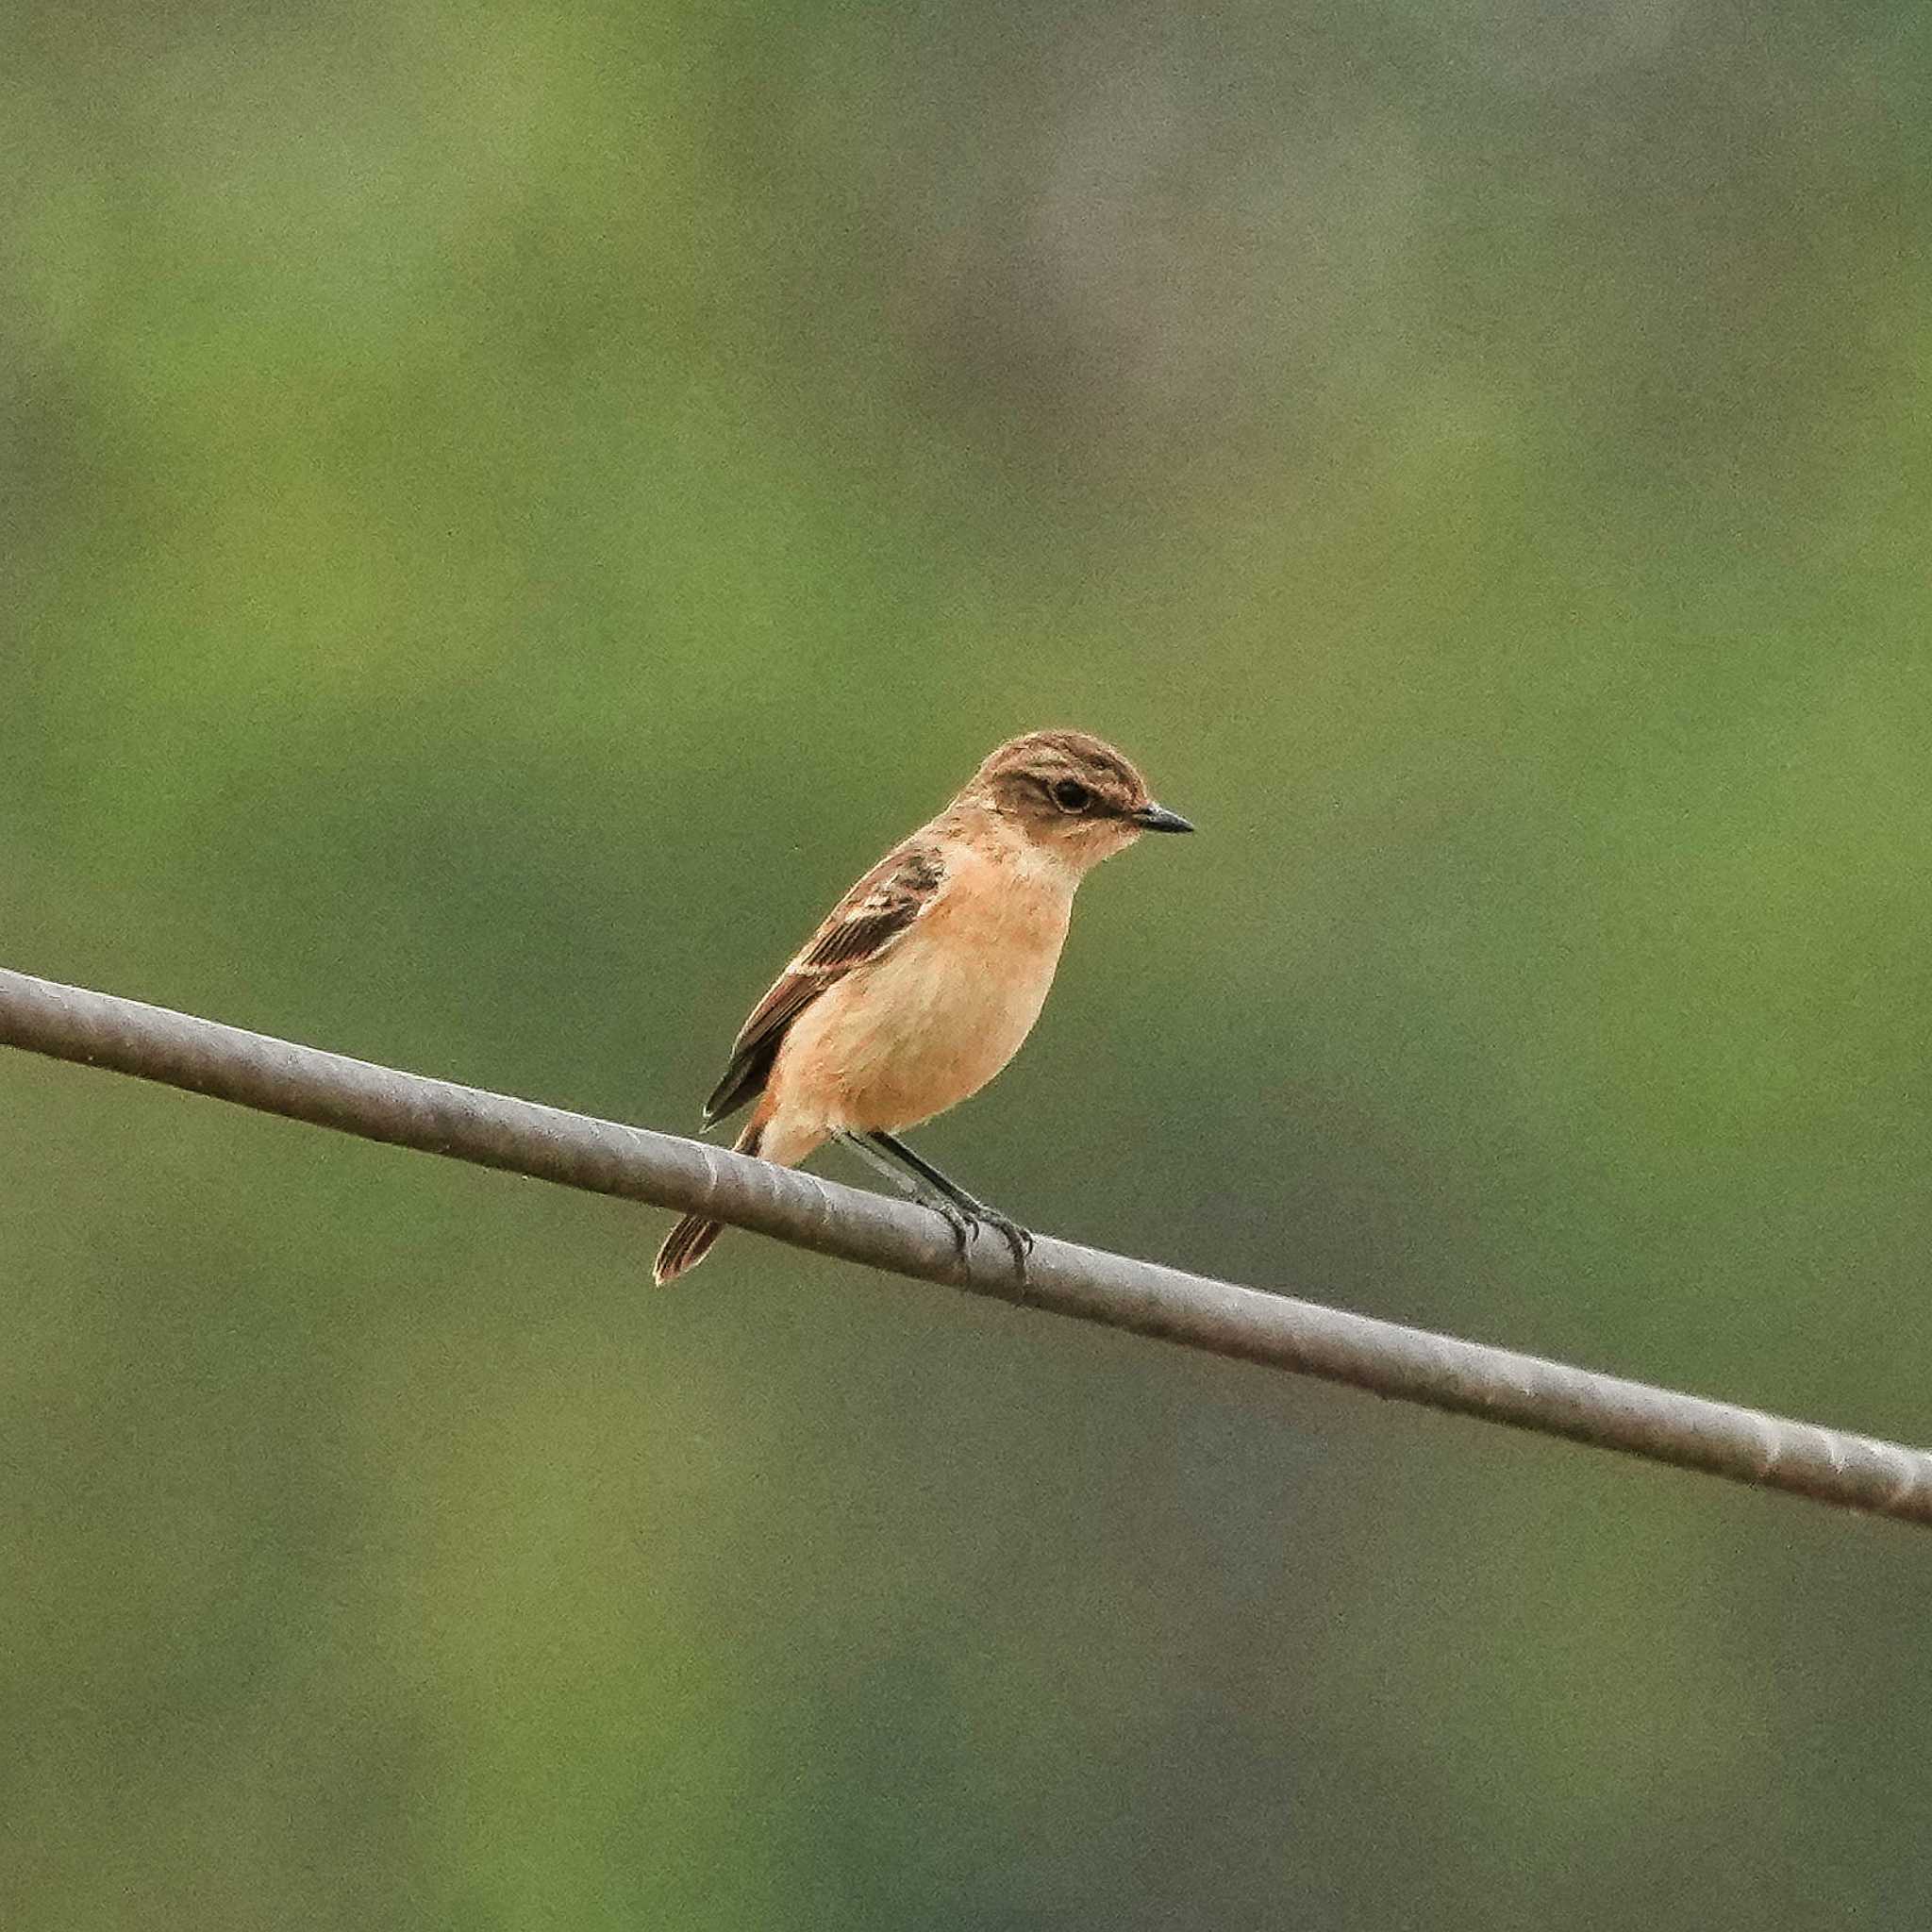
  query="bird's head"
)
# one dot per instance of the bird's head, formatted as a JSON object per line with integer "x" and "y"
{"x": 1071, "y": 794}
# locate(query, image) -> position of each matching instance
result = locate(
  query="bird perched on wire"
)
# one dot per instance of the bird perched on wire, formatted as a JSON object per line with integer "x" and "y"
{"x": 926, "y": 976}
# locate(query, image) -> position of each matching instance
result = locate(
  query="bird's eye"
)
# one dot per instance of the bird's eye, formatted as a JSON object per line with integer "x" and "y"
{"x": 1071, "y": 795}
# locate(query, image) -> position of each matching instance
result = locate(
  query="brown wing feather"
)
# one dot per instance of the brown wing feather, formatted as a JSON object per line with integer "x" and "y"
{"x": 875, "y": 914}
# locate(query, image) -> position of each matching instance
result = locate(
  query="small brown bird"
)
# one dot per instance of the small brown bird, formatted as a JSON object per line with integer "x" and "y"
{"x": 929, "y": 973}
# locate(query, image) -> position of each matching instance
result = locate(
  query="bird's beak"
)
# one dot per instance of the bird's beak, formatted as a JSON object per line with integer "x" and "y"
{"x": 1157, "y": 818}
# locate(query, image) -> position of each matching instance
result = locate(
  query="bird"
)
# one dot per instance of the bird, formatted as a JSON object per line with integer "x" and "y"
{"x": 924, "y": 979}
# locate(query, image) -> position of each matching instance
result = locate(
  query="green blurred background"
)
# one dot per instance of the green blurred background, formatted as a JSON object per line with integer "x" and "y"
{"x": 508, "y": 510}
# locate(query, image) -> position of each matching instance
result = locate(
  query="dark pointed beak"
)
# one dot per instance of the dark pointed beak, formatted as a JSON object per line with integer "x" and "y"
{"x": 1157, "y": 818}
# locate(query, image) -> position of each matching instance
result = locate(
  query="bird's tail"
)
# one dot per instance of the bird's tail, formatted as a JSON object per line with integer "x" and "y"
{"x": 690, "y": 1241}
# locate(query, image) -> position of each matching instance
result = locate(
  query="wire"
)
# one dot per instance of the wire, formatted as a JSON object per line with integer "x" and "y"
{"x": 667, "y": 1171}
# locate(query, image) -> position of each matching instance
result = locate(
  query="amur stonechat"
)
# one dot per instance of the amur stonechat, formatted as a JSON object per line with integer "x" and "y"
{"x": 926, "y": 976}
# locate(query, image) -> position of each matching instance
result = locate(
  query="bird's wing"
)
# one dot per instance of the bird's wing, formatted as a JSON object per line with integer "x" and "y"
{"x": 865, "y": 925}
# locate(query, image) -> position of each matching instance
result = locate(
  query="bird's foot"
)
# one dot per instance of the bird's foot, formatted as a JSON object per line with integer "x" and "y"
{"x": 956, "y": 1219}
{"x": 1015, "y": 1236}
{"x": 966, "y": 1220}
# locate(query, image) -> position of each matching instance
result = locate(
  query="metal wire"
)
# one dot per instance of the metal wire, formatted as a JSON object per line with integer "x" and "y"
{"x": 667, "y": 1171}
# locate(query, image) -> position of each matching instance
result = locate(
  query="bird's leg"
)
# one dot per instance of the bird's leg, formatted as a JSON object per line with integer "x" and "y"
{"x": 950, "y": 1192}
{"x": 956, "y": 1217}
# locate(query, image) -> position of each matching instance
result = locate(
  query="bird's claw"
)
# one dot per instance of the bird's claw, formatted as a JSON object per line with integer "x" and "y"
{"x": 1015, "y": 1236}
{"x": 958, "y": 1221}
{"x": 966, "y": 1222}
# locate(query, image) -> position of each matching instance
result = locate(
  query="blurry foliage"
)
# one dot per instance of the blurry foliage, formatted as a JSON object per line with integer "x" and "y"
{"x": 506, "y": 511}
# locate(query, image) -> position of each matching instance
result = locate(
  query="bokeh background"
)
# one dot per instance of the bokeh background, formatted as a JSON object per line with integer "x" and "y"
{"x": 508, "y": 510}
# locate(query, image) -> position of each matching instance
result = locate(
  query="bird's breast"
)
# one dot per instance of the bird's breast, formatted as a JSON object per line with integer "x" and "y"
{"x": 942, "y": 1013}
